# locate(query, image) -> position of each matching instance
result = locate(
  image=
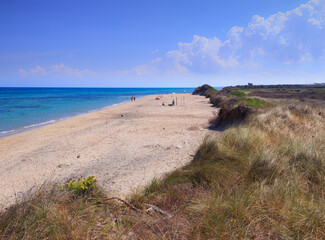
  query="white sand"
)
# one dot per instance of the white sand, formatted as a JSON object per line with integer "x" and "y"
{"x": 122, "y": 152}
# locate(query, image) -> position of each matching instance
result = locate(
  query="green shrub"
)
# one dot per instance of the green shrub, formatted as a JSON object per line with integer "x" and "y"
{"x": 213, "y": 90}
{"x": 239, "y": 94}
{"x": 254, "y": 102}
{"x": 82, "y": 185}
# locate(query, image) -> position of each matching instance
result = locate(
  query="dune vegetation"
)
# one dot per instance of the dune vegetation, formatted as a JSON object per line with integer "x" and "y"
{"x": 261, "y": 177}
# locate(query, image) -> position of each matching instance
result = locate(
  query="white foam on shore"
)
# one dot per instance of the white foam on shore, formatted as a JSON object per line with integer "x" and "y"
{"x": 114, "y": 105}
{"x": 9, "y": 131}
{"x": 40, "y": 124}
{"x": 25, "y": 128}
{"x": 63, "y": 118}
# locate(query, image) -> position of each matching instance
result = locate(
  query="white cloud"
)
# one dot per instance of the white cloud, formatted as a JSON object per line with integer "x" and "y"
{"x": 57, "y": 70}
{"x": 38, "y": 70}
{"x": 293, "y": 37}
{"x": 155, "y": 51}
{"x": 200, "y": 55}
{"x": 288, "y": 37}
{"x": 22, "y": 72}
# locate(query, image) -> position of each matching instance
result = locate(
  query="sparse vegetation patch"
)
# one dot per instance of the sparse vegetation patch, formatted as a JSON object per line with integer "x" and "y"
{"x": 254, "y": 102}
{"x": 82, "y": 185}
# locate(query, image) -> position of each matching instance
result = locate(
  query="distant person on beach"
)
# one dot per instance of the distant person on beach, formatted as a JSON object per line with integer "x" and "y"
{"x": 173, "y": 103}
{"x": 132, "y": 99}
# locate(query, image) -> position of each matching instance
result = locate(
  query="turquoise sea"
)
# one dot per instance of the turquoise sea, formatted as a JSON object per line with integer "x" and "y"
{"x": 25, "y": 108}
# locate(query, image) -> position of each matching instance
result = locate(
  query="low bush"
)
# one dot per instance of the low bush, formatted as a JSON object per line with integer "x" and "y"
{"x": 82, "y": 185}
{"x": 231, "y": 115}
{"x": 254, "y": 102}
{"x": 204, "y": 90}
{"x": 238, "y": 93}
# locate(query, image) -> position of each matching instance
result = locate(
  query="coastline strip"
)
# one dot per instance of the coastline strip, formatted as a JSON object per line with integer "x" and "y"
{"x": 124, "y": 146}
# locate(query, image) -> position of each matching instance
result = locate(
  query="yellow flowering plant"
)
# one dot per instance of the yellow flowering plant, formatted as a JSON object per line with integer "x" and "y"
{"x": 82, "y": 185}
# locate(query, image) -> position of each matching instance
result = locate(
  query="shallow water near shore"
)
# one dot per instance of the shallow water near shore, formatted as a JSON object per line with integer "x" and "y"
{"x": 26, "y": 108}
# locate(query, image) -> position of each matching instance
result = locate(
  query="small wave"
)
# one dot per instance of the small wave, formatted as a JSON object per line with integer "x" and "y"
{"x": 114, "y": 105}
{"x": 27, "y": 106}
{"x": 40, "y": 124}
{"x": 90, "y": 111}
{"x": 64, "y": 118}
{"x": 6, "y": 132}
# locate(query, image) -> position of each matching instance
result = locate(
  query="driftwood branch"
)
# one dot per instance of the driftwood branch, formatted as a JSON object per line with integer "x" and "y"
{"x": 158, "y": 210}
{"x": 151, "y": 207}
{"x": 125, "y": 202}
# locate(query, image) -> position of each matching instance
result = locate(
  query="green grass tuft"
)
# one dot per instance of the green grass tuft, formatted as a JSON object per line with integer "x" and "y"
{"x": 213, "y": 90}
{"x": 239, "y": 94}
{"x": 254, "y": 102}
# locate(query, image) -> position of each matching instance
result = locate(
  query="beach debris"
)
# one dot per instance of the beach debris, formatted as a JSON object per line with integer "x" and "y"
{"x": 117, "y": 221}
{"x": 123, "y": 201}
{"x": 78, "y": 156}
{"x": 122, "y": 115}
{"x": 63, "y": 165}
{"x": 193, "y": 128}
{"x": 152, "y": 146}
{"x": 151, "y": 208}
{"x": 155, "y": 208}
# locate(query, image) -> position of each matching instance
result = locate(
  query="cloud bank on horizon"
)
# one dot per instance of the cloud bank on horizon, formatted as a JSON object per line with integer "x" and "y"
{"x": 291, "y": 42}
{"x": 57, "y": 70}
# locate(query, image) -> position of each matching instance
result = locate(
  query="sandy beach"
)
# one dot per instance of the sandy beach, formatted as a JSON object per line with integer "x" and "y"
{"x": 124, "y": 147}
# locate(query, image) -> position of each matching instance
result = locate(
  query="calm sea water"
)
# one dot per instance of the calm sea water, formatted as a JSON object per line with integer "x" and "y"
{"x": 25, "y": 108}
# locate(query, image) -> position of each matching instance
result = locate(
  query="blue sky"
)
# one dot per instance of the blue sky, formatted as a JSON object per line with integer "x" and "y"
{"x": 151, "y": 43}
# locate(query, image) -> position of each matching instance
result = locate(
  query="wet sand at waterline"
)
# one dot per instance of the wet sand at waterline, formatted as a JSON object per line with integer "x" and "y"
{"x": 124, "y": 147}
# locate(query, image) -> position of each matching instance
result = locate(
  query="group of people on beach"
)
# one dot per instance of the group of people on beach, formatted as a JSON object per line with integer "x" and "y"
{"x": 172, "y": 104}
{"x": 132, "y": 99}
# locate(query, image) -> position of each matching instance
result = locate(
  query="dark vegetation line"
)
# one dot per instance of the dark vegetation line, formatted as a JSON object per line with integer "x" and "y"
{"x": 281, "y": 86}
{"x": 262, "y": 177}
{"x": 296, "y": 91}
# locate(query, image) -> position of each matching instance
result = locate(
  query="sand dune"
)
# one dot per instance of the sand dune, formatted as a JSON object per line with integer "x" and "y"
{"x": 124, "y": 147}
